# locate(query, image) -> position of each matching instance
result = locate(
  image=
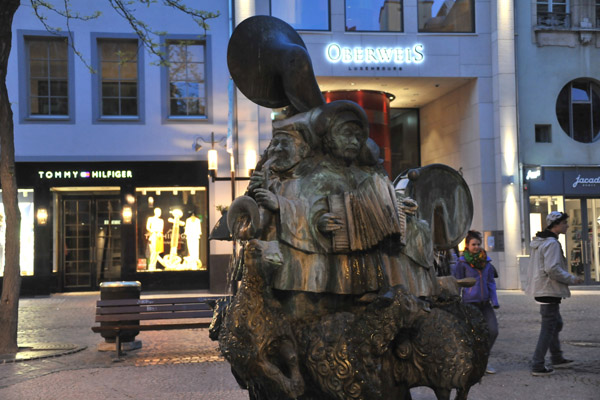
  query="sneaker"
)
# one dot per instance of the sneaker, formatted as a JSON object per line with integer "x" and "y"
{"x": 564, "y": 363}
{"x": 490, "y": 370}
{"x": 542, "y": 372}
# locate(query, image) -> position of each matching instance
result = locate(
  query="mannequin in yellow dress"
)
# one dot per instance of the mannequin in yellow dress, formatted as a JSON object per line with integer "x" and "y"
{"x": 155, "y": 226}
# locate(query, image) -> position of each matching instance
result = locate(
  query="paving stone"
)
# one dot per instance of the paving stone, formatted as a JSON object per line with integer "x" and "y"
{"x": 186, "y": 364}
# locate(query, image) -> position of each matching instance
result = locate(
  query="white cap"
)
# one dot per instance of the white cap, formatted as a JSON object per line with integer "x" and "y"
{"x": 555, "y": 217}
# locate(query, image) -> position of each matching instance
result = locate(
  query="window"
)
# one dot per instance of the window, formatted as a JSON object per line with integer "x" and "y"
{"x": 553, "y": 13}
{"x": 118, "y": 77}
{"x": 578, "y": 109}
{"x": 187, "y": 78}
{"x": 543, "y": 134}
{"x": 25, "y": 202}
{"x": 310, "y": 15}
{"x": 446, "y": 15}
{"x": 597, "y": 13}
{"x": 374, "y": 15}
{"x": 172, "y": 229}
{"x": 48, "y": 87}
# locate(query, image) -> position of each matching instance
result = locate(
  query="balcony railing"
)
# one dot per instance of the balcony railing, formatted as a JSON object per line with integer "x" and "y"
{"x": 554, "y": 19}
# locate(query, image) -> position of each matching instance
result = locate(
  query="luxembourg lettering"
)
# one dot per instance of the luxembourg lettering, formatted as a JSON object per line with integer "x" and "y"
{"x": 110, "y": 174}
{"x": 375, "y": 55}
{"x": 586, "y": 181}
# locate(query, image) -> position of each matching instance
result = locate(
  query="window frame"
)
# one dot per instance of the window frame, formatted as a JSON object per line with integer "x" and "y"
{"x": 590, "y": 82}
{"x": 373, "y": 31}
{"x": 25, "y": 116}
{"x": 165, "y": 80}
{"x": 473, "y": 21}
{"x": 551, "y": 4}
{"x": 96, "y": 94}
{"x": 304, "y": 29}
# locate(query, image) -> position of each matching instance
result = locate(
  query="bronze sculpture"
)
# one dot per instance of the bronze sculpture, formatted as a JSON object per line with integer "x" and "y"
{"x": 338, "y": 296}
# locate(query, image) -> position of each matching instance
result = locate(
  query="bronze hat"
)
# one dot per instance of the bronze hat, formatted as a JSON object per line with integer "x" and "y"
{"x": 269, "y": 63}
{"x": 340, "y": 111}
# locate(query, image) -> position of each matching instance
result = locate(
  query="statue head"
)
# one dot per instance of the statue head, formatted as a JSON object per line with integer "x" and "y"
{"x": 344, "y": 128}
{"x": 287, "y": 149}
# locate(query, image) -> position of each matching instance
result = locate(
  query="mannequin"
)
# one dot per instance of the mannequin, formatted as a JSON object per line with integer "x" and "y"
{"x": 155, "y": 226}
{"x": 172, "y": 260}
{"x": 193, "y": 231}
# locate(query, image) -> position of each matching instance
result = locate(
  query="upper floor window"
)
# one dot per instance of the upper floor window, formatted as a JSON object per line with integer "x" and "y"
{"x": 374, "y": 15}
{"x": 309, "y": 15}
{"x": 597, "y": 13}
{"x": 48, "y": 87}
{"x": 553, "y": 13}
{"x": 446, "y": 16}
{"x": 187, "y": 78}
{"x": 118, "y": 77}
{"x": 578, "y": 109}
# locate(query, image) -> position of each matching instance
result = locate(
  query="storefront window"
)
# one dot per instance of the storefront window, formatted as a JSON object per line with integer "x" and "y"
{"x": 583, "y": 238}
{"x": 26, "y": 256}
{"x": 309, "y": 15}
{"x": 446, "y": 16}
{"x": 171, "y": 229}
{"x": 374, "y": 15}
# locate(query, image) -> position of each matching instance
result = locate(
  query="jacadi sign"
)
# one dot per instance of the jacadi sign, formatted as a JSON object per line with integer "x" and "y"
{"x": 336, "y": 53}
{"x": 582, "y": 182}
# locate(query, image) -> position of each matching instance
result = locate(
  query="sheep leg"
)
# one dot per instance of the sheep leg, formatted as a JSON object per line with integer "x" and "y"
{"x": 293, "y": 386}
{"x": 442, "y": 394}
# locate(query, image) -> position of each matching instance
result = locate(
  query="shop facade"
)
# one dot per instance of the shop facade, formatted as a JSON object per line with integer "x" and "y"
{"x": 576, "y": 191}
{"x": 84, "y": 223}
{"x": 559, "y": 124}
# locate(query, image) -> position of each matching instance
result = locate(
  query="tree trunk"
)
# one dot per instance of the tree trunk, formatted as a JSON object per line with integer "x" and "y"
{"x": 11, "y": 284}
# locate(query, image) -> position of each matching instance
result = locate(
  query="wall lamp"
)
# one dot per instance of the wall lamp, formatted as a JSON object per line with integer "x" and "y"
{"x": 127, "y": 213}
{"x": 42, "y": 216}
{"x": 213, "y": 160}
{"x": 250, "y": 161}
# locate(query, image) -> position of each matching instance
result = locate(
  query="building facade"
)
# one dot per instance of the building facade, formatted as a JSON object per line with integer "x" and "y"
{"x": 559, "y": 121}
{"x": 111, "y": 147}
{"x": 105, "y": 150}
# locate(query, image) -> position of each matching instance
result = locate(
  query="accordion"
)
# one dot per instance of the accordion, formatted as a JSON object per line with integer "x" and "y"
{"x": 368, "y": 215}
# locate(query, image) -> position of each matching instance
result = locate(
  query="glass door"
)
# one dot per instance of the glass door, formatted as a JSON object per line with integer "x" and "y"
{"x": 583, "y": 238}
{"x": 91, "y": 241}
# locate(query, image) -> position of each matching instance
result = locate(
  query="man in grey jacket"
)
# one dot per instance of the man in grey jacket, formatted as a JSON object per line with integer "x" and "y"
{"x": 548, "y": 282}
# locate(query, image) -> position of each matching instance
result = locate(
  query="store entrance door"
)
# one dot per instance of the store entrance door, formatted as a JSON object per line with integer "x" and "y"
{"x": 583, "y": 238}
{"x": 91, "y": 240}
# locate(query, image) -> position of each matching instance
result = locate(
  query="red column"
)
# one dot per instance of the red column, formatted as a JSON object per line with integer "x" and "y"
{"x": 377, "y": 106}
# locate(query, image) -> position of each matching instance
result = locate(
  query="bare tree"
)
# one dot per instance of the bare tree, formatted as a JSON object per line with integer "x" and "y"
{"x": 11, "y": 284}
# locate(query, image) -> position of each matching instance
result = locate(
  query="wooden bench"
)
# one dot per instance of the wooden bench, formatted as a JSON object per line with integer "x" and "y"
{"x": 120, "y": 316}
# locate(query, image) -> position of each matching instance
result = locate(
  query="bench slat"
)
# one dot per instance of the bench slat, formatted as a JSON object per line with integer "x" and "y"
{"x": 151, "y": 316}
{"x": 152, "y": 308}
{"x": 142, "y": 302}
{"x": 155, "y": 327}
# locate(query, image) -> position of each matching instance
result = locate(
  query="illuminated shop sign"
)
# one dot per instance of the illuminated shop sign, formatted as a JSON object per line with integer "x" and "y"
{"x": 591, "y": 181}
{"x": 375, "y": 55}
{"x": 533, "y": 173}
{"x": 73, "y": 174}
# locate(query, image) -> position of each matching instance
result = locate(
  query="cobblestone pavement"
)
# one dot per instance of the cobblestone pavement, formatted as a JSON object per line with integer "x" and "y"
{"x": 186, "y": 364}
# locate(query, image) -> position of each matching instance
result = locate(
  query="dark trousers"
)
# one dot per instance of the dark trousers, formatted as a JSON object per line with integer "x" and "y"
{"x": 490, "y": 318}
{"x": 552, "y": 324}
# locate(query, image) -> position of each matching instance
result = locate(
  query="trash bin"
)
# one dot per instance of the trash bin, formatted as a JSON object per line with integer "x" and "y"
{"x": 118, "y": 291}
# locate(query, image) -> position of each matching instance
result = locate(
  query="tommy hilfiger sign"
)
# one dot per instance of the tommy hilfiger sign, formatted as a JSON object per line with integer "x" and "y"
{"x": 75, "y": 174}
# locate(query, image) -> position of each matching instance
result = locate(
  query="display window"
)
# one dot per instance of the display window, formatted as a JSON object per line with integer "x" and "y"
{"x": 581, "y": 243}
{"x": 27, "y": 220}
{"x": 171, "y": 229}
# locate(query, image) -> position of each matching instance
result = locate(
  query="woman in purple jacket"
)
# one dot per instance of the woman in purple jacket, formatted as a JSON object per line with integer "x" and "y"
{"x": 474, "y": 263}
